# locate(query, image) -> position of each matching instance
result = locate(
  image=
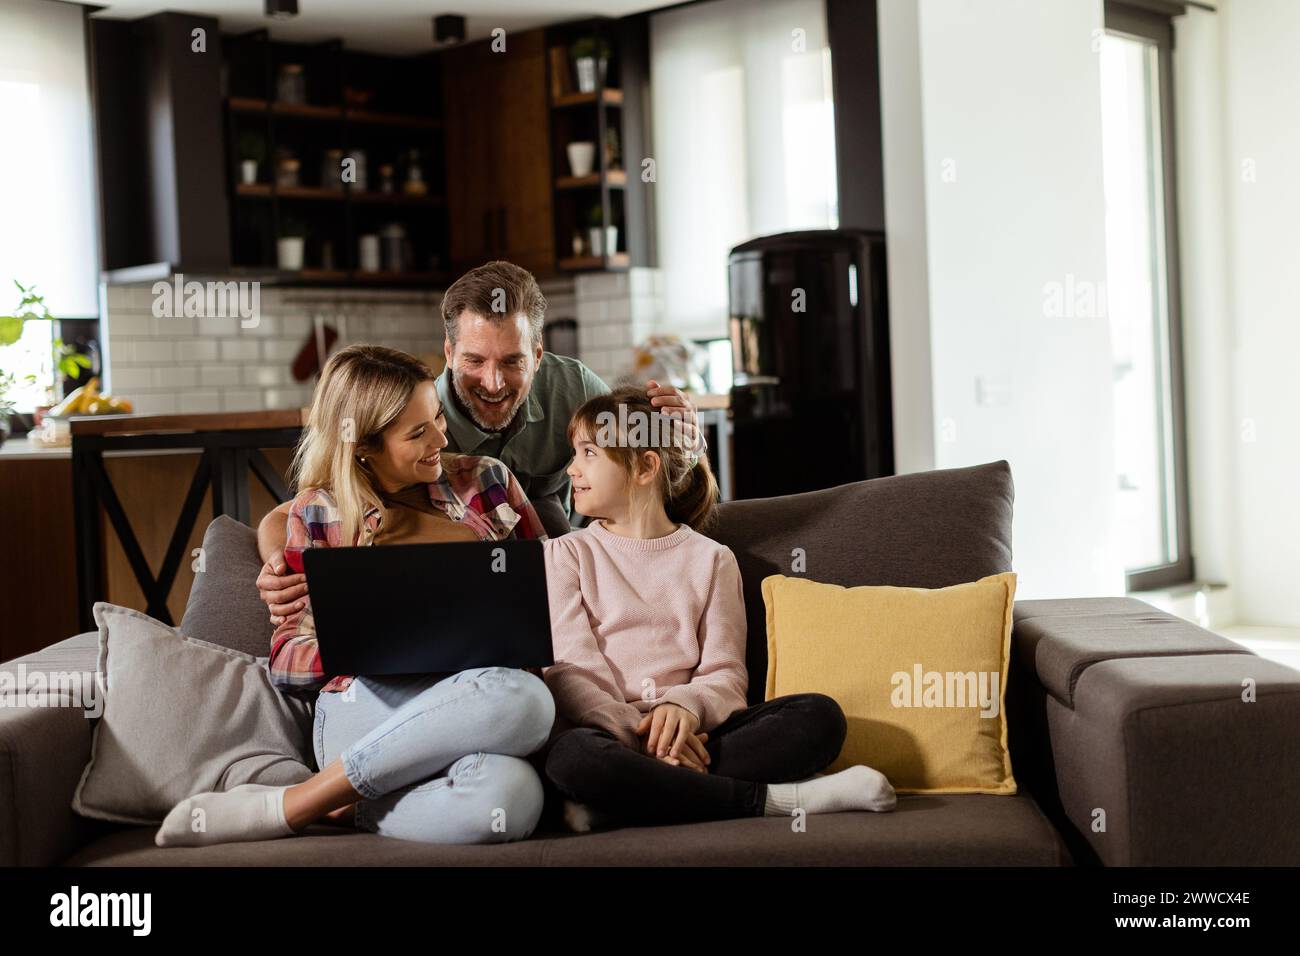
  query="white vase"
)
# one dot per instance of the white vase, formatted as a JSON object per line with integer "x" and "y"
{"x": 248, "y": 171}
{"x": 595, "y": 241}
{"x": 368, "y": 253}
{"x": 585, "y": 68}
{"x": 611, "y": 240}
{"x": 581, "y": 158}
{"x": 288, "y": 253}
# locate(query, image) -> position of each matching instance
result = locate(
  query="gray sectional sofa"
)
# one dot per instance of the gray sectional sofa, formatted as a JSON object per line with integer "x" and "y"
{"x": 1112, "y": 705}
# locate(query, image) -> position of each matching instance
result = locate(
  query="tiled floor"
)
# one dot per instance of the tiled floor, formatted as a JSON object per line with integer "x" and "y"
{"x": 1281, "y": 644}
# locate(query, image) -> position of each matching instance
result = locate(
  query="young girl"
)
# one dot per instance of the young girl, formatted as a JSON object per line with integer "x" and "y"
{"x": 436, "y": 757}
{"x": 648, "y": 622}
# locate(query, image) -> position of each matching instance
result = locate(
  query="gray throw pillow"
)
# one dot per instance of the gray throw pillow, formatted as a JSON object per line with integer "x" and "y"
{"x": 183, "y": 716}
{"x": 929, "y": 529}
{"x": 224, "y": 607}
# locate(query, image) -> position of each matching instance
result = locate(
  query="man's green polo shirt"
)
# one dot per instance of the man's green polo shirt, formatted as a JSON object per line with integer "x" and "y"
{"x": 533, "y": 445}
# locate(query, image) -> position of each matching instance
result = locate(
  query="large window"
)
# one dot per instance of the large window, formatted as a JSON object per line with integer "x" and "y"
{"x": 744, "y": 141}
{"x": 46, "y": 177}
{"x": 1142, "y": 296}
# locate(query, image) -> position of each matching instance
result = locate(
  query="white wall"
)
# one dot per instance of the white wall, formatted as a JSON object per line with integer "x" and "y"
{"x": 1203, "y": 171}
{"x": 908, "y": 279}
{"x": 1261, "y": 159}
{"x": 1011, "y": 191}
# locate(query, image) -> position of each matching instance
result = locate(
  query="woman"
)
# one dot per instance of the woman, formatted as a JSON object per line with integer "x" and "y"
{"x": 436, "y": 758}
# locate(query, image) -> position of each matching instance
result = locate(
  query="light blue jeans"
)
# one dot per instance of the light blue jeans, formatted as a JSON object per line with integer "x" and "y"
{"x": 439, "y": 758}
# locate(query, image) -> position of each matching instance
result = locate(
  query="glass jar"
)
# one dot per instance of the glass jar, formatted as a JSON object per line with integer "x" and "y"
{"x": 291, "y": 84}
{"x": 286, "y": 173}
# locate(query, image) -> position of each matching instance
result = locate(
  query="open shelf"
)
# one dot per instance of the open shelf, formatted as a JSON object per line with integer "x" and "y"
{"x": 615, "y": 179}
{"x": 245, "y": 104}
{"x": 379, "y": 110}
{"x": 608, "y": 96}
{"x": 618, "y": 260}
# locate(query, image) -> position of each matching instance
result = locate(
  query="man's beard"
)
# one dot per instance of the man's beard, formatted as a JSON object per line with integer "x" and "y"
{"x": 471, "y": 408}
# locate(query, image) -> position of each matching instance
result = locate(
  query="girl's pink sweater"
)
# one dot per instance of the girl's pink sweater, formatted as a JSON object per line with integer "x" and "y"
{"x": 639, "y": 622}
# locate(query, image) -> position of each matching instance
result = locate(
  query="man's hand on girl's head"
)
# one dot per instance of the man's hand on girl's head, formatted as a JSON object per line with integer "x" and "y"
{"x": 673, "y": 401}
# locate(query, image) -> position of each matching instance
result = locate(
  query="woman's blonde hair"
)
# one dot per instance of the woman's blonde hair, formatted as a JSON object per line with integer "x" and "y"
{"x": 362, "y": 390}
{"x": 686, "y": 482}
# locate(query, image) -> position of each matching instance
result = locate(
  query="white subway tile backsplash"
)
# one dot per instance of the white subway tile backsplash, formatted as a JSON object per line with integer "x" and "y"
{"x": 238, "y": 350}
{"x": 128, "y": 323}
{"x": 176, "y": 326}
{"x": 128, "y": 378}
{"x": 153, "y": 350}
{"x": 618, "y": 310}
{"x": 201, "y": 363}
{"x": 213, "y": 327}
{"x": 196, "y": 350}
{"x": 176, "y": 376}
{"x": 286, "y": 397}
{"x": 640, "y": 280}
{"x": 591, "y": 311}
{"x": 279, "y": 350}
{"x": 296, "y": 325}
{"x": 221, "y": 375}
{"x": 154, "y": 403}
{"x": 265, "y": 375}
{"x": 242, "y": 400}
{"x": 198, "y": 401}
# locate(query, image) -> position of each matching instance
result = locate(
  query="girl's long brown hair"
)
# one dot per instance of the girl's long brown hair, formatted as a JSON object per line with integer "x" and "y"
{"x": 689, "y": 490}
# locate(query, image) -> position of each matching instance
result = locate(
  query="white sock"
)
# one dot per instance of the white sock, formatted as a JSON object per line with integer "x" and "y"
{"x": 250, "y": 811}
{"x": 582, "y": 818}
{"x": 855, "y": 788}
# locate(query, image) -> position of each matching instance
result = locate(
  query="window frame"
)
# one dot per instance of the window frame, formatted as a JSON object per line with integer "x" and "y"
{"x": 1152, "y": 22}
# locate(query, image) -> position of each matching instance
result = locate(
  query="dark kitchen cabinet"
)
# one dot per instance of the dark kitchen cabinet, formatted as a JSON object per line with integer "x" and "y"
{"x": 499, "y": 196}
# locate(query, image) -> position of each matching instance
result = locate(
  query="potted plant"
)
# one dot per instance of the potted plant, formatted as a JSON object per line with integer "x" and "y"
{"x": 590, "y": 59}
{"x": 252, "y": 154}
{"x": 66, "y": 359}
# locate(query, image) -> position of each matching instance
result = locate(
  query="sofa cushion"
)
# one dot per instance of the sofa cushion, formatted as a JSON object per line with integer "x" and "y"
{"x": 224, "y": 607}
{"x": 1063, "y": 637}
{"x": 926, "y": 530}
{"x": 926, "y": 830}
{"x": 180, "y": 717}
{"x": 897, "y": 661}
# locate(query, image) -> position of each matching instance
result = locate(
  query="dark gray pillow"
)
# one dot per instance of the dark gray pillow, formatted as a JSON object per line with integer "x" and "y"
{"x": 224, "y": 607}
{"x": 926, "y": 530}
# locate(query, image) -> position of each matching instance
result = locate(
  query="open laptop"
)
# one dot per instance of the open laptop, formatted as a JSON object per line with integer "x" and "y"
{"x": 430, "y": 608}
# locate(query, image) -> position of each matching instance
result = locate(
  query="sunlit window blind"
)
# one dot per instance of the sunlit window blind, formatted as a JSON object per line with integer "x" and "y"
{"x": 744, "y": 141}
{"x": 47, "y": 198}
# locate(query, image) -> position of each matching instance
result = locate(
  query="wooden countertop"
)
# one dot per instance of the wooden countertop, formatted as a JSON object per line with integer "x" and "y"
{"x": 211, "y": 422}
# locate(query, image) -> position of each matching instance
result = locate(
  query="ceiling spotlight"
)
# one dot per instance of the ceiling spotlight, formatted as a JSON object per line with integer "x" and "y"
{"x": 448, "y": 29}
{"x": 281, "y": 9}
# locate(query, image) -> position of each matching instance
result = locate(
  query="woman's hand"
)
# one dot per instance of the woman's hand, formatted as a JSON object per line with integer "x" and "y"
{"x": 284, "y": 594}
{"x": 670, "y": 735}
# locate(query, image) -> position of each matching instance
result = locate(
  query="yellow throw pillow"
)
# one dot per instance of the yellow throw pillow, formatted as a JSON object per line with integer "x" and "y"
{"x": 920, "y": 674}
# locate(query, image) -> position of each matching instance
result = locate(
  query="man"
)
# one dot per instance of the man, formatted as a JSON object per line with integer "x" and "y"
{"x": 504, "y": 397}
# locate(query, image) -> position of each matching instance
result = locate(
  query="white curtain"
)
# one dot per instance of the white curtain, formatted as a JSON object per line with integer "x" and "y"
{"x": 744, "y": 141}
{"x": 47, "y": 192}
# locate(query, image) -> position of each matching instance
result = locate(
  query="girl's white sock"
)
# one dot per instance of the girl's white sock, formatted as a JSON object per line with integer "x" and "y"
{"x": 250, "y": 811}
{"x": 855, "y": 788}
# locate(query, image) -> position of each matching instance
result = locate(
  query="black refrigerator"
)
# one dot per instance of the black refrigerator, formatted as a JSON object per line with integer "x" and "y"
{"x": 810, "y": 349}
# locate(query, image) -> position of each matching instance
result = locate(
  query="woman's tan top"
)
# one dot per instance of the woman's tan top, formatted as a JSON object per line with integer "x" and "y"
{"x": 409, "y": 517}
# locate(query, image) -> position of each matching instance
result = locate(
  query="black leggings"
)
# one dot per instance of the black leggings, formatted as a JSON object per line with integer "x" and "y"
{"x": 787, "y": 738}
